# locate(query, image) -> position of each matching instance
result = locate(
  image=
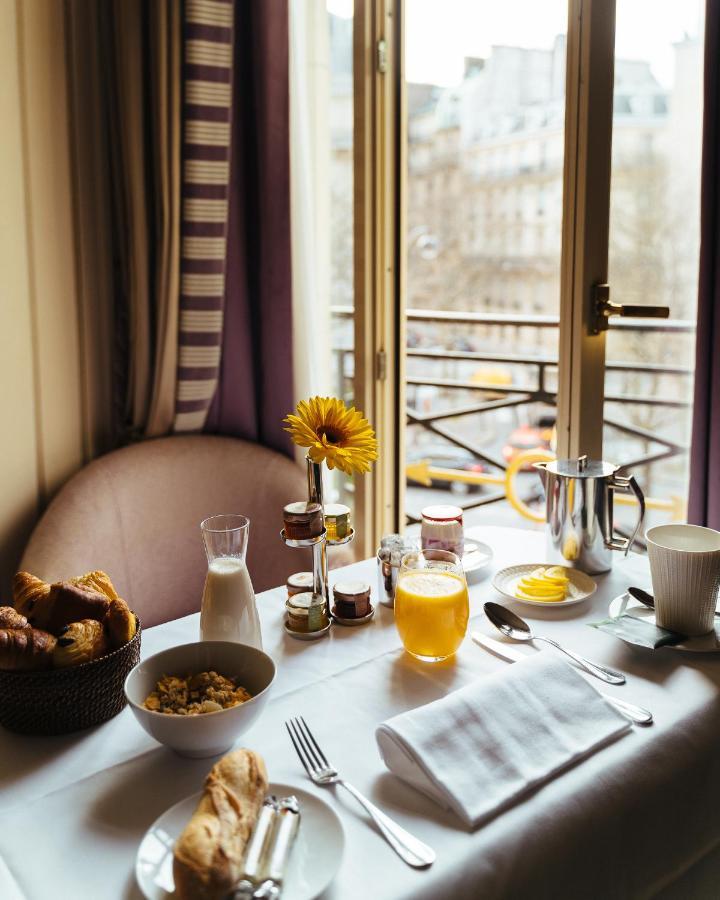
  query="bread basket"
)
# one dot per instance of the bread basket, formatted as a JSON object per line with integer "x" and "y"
{"x": 58, "y": 701}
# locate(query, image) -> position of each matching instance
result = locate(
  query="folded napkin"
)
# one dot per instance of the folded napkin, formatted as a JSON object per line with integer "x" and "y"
{"x": 479, "y": 749}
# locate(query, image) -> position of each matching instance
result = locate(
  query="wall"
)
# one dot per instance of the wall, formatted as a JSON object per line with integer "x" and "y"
{"x": 41, "y": 402}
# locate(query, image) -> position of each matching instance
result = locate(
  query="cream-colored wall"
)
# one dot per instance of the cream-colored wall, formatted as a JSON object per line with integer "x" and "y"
{"x": 41, "y": 408}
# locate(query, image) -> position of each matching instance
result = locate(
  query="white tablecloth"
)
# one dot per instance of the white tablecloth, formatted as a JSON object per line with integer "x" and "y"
{"x": 624, "y": 823}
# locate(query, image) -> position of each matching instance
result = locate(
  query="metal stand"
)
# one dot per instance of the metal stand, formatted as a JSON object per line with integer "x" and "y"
{"x": 318, "y": 544}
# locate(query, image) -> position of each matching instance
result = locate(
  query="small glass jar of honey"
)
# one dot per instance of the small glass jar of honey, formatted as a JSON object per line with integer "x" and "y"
{"x": 306, "y": 612}
{"x": 337, "y": 521}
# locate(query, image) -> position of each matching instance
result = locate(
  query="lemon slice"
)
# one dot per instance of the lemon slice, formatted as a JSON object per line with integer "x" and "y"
{"x": 545, "y": 598}
{"x": 547, "y": 584}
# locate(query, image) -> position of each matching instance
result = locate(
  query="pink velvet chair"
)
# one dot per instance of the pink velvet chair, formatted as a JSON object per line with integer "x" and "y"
{"x": 136, "y": 513}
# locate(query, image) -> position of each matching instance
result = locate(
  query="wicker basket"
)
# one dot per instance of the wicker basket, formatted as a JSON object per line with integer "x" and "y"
{"x": 58, "y": 701}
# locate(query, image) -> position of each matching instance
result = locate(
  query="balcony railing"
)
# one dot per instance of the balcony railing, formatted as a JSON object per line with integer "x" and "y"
{"x": 536, "y": 389}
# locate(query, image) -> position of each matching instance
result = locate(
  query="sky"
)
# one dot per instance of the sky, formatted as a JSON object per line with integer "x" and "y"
{"x": 440, "y": 33}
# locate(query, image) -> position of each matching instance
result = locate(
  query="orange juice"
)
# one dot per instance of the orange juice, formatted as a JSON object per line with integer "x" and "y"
{"x": 431, "y": 612}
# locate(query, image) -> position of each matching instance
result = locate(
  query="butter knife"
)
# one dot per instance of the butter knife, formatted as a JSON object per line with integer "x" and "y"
{"x": 257, "y": 851}
{"x": 636, "y": 714}
{"x": 268, "y": 855}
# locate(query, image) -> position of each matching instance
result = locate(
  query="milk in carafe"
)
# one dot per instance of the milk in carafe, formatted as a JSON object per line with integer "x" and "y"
{"x": 229, "y": 611}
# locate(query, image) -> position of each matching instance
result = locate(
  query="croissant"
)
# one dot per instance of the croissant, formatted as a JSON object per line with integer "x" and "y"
{"x": 120, "y": 623}
{"x": 11, "y": 618}
{"x": 29, "y": 593}
{"x": 97, "y": 581}
{"x": 25, "y": 649}
{"x": 80, "y": 642}
{"x": 209, "y": 853}
{"x": 68, "y": 603}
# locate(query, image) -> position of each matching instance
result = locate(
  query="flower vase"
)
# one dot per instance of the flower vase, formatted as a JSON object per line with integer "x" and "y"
{"x": 315, "y": 482}
{"x": 319, "y": 550}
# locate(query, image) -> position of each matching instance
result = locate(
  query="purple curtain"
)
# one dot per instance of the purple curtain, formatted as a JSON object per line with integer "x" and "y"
{"x": 704, "y": 500}
{"x": 254, "y": 389}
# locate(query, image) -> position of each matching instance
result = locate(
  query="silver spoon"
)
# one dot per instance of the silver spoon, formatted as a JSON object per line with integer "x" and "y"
{"x": 648, "y": 599}
{"x": 517, "y": 629}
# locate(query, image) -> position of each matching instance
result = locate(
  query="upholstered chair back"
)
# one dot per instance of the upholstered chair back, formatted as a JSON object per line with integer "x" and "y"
{"x": 136, "y": 513}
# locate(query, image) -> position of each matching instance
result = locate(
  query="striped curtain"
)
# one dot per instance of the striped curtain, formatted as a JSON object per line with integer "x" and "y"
{"x": 207, "y": 117}
{"x": 185, "y": 209}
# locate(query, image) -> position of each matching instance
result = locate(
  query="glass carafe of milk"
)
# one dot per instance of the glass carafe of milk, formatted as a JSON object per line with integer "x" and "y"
{"x": 229, "y": 611}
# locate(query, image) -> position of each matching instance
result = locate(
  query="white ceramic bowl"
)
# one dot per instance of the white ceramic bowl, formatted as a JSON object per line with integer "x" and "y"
{"x": 208, "y": 734}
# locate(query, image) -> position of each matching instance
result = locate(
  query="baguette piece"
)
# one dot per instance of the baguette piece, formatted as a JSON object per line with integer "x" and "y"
{"x": 25, "y": 649}
{"x": 209, "y": 853}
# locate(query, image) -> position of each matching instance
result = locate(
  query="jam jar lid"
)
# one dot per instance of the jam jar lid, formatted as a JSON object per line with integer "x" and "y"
{"x": 302, "y": 510}
{"x": 302, "y": 603}
{"x": 336, "y": 510}
{"x": 351, "y": 590}
{"x": 442, "y": 513}
{"x": 300, "y": 580}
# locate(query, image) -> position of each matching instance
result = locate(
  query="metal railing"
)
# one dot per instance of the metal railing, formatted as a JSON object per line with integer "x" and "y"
{"x": 535, "y": 390}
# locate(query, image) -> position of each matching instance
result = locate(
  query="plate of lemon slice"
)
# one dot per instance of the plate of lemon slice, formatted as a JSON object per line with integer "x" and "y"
{"x": 542, "y": 585}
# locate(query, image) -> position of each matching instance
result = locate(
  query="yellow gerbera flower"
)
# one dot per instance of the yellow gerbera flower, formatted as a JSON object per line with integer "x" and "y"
{"x": 333, "y": 433}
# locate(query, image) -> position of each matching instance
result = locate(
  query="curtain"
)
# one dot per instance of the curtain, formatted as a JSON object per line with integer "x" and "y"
{"x": 143, "y": 118}
{"x": 310, "y": 162}
{"x": 125, "y": 86}
{"x": 254, "y": 390}
{"x": 704, "y": 500}
{"x": 189, "y": 127}
{"x": 207, "y": 114}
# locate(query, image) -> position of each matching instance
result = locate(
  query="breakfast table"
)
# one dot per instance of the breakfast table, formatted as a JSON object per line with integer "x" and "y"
{"x": 639, "y": 818}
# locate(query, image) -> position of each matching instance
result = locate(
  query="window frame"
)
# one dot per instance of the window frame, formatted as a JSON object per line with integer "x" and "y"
{"x": 380, "y": 203}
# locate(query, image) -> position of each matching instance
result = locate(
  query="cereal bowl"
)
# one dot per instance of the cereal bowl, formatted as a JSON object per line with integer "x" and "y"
{"x": 206, "y": 734}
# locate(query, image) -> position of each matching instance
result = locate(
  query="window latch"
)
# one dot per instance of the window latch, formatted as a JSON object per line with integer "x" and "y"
{"x": 382, "y": 56}
{"x": 381, "y": 365}
{"x": 603, "y": 308}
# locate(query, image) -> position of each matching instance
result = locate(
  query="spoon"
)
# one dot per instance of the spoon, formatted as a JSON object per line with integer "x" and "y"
{"x": 648, "y": 599}
{"x": 517, "y": 629}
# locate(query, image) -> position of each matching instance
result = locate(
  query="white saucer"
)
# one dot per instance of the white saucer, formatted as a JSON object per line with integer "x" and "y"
{"x": 315, "y": 859}
{"x": 476, "y": 557}
{"x": 704, "y": 643}
{"x": 580, "y": 588}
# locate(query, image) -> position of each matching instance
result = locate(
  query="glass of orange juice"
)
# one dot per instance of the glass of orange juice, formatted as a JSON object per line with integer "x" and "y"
{"x": 431, "y": 604}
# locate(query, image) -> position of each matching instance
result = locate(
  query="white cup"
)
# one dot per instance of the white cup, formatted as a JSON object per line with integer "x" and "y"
{"x": 685, "y": 569}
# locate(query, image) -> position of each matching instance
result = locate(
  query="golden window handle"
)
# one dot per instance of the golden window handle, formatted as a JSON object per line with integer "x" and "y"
{"x": 604, "y": 308}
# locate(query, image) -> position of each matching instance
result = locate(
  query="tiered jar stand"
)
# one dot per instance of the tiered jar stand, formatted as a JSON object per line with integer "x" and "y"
{"x": 319, "y": 546}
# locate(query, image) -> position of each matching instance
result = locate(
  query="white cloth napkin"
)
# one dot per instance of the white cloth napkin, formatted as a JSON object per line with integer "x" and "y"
{"x": 478, "y": 750}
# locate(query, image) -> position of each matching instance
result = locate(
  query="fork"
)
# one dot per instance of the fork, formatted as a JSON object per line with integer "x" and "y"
{"x": 321, "y": 772}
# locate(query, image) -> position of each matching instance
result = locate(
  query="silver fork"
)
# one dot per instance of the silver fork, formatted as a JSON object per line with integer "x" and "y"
{"x": 320, "y": 771}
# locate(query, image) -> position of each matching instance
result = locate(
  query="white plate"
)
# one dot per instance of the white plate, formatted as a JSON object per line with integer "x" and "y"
{"x": 476, "y": 557}
{"x": 704, "y": 643}
{"x": 315, "y": 858}
{"x": 580, "y": 588}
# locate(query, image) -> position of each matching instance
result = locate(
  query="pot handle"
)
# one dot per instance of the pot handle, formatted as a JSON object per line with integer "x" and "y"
{"x": 629, "y": 486}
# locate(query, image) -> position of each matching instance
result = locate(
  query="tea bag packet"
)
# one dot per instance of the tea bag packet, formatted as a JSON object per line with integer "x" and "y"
{"x": 639, "y": 632}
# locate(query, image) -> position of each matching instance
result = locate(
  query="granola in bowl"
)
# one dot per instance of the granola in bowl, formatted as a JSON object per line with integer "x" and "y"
{"x": 205, "y": 692}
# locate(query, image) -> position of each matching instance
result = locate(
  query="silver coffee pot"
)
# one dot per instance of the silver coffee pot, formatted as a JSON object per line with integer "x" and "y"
{"x": 579, "y": 507}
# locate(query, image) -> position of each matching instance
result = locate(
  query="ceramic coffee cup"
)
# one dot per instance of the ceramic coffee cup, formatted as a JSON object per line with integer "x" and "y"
{"x": 685, "y": 569}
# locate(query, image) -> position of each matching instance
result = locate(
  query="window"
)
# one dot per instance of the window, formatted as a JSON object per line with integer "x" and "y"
{"x": 458, "y": 281}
